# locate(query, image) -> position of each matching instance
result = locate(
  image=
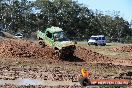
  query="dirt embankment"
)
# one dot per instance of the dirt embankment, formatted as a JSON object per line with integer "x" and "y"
{"x": 26, "y": 48}
{"x": 127, "y": 48}
{"x": 23, "y": 48}
{"x": 90, "y": 56}
{"x": 29, "y": 49}
{"x": 64, "y": 72}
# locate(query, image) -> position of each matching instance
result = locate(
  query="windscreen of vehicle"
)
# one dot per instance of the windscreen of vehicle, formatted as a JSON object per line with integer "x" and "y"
{"x": 60, "y": 36}
{"x": 18, "y": 34}
{"x": 103, "y": 38}
{"x": 93, "y": 38}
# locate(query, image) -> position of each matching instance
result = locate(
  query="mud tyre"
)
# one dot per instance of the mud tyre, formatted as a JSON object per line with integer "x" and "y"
{"x": 104, "y": 44}
{"x": 58, "y": 53}
{"x": 41, "y": 44}
{"x": 71, "y": 54}
{"x": 95, "y": 44}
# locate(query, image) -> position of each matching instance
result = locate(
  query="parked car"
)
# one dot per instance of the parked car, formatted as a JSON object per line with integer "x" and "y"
{"x": 18, "y": 35}
{"x": 97, "y": 40}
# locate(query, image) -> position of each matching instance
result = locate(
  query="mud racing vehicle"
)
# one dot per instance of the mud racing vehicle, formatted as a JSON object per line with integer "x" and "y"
{"x": 56, "y": 39}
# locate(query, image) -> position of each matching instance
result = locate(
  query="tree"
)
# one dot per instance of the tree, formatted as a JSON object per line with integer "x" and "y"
{"x": 75, "y": 19}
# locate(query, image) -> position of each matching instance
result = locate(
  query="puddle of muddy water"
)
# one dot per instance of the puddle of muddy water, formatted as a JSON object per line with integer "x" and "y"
{"x": 36, "y": 82}
{"x": 129, "y": 67}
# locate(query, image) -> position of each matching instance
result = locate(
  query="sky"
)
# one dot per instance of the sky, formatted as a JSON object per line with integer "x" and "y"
{"x": 124, "y": 6}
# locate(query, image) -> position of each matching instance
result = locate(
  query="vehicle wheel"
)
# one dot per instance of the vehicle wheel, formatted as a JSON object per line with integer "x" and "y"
{"x": 58, "y": 53}
{"x": 96, "y": 44}
{"x": 75, "y": 42}
{"x": 40, "y": 39}
{"x": 103, "y": 44}
{"x": 42, "y": 44}
{"x": 71, "y": 54}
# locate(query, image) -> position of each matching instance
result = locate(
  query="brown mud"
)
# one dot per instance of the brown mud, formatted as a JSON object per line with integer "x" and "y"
{"x": 25, "y": 59}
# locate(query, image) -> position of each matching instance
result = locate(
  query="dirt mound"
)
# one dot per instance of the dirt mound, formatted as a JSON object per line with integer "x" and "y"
{"x": 23, "y": 48}
{"x": 93, "y": 57}
{"x": 26, "y": 48}
{"x": 127, "y": 48}
{"x": 90, "y": 56}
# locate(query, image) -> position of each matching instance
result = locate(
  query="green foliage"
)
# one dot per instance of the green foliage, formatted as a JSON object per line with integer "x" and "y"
{"x": 76, "y": 20}
{"x": 128, "y": 39}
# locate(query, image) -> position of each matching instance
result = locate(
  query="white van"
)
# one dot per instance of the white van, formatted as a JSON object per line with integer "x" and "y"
{"x": 97, "y": 40}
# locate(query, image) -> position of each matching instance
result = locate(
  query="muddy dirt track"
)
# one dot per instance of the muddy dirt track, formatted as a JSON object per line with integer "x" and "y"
{"x": 127, "y": 48}
{"x": 29, "y": 49}
{"x": 25, "y": 59}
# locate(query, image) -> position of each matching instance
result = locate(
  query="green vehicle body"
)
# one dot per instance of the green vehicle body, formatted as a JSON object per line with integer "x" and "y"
{"x": 56, "y": 39}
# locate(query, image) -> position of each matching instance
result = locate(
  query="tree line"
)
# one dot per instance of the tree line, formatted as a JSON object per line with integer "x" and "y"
{"x": 77, "y": 20}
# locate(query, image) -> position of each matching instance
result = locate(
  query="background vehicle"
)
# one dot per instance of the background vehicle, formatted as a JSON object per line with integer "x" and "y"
{"x": 18, "y": 35}
{"x": 56, "y": 39}
{"x": 97, "y": 40}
